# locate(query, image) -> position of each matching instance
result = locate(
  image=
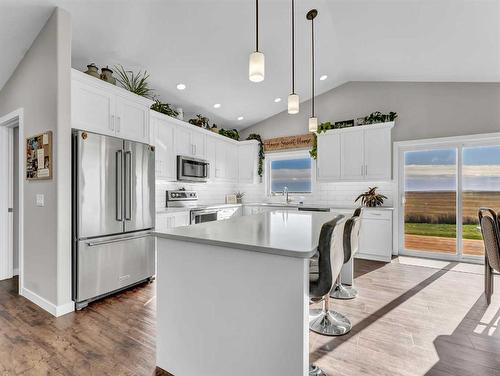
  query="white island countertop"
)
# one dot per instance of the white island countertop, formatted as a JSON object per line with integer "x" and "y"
{"x": 279, "y": 232}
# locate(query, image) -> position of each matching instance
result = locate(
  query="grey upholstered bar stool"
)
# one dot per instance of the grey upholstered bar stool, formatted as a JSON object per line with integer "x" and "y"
{"x": 350, "y": 245}
{"x": 325, "y": 269}
{"x": 490, "y": 229}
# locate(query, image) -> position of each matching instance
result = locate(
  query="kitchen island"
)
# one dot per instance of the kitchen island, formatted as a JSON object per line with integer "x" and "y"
{"x": 233, "y": 295}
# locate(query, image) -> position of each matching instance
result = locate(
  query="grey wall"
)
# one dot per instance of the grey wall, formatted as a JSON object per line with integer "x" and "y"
{"x": 426, "y": 110}
{"x": 41, "y": 86}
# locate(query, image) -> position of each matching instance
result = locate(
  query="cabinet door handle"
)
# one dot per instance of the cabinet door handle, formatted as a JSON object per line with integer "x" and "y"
{"x": 194, "y": 149}
{"x": 112, "y": 122}
{"x": 118, "y": 124}
{"x": 362, "y": 170}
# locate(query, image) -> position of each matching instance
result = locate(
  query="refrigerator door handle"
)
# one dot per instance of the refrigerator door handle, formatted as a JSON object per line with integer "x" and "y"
{"x": 128, "y": 185}
{"x": 119, "y": 186}
{"x": 103, "y": 242}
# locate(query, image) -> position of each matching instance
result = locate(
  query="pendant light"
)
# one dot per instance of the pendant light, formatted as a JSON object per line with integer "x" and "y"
{"x": 313, "y": 120}
{"x": 256, "y": 62}
{"x": 293, "y": 99}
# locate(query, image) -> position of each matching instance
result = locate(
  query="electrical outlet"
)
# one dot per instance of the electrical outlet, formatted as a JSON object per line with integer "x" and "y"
{"x": 40, "y": 200}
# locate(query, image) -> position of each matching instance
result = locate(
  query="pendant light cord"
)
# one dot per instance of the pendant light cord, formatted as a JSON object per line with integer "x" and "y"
{"x": 293, "y": 46}
{"x": 312, "y": 60}
{"x": 256, "y": 25}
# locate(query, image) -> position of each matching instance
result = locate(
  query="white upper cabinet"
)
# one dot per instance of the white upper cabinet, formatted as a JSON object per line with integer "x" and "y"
{"x": 329, "y": 164}
{"x": 131, "y": 120}
{"x": 189, "y": 141}
{"x": 355, "y": 154}
{"x": 97, "y": 106}
{"x": 163, "y": 138}
{"x": 378, "y": 151}
{"x": 248, "y": 153}
{"x": 198, "y": 144}
{"x": 352, "y": 159}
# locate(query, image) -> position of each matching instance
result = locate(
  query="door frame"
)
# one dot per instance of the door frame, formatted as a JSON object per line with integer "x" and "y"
{"x": 458, "y": 142}
{"x": 12, "y": 120}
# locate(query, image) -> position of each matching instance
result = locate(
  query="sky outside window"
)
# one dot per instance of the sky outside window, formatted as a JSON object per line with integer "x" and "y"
{"x": 295, "y": 174}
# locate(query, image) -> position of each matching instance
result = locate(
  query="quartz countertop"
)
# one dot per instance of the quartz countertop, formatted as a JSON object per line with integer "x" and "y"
{"x": 279, "y": 232}
{"x": 174, "y": 209}
{"x": 314, "y": 205}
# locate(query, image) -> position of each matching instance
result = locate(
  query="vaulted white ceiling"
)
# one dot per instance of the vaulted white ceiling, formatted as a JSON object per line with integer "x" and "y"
{"x": 205, "y": 44}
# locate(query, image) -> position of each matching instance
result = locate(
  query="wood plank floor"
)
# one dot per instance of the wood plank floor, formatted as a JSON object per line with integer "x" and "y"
{"x": 407, "y": 320}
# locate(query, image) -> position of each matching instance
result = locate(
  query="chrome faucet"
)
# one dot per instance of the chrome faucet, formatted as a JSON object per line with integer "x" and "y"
{"x": 285, "y": 194}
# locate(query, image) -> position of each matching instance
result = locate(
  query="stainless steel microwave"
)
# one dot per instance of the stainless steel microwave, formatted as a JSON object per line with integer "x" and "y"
{"x": 192, "y": 169}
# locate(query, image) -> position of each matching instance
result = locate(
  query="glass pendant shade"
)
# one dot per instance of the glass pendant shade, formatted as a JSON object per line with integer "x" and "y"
{"x": 256, "y": 67}
{"x": 313, "y": 124}
{"x": 293, "y": 104}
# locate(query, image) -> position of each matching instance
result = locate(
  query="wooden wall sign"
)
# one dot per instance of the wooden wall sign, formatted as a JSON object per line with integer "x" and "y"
{"x": 39, "y": 156}
{"x": 301, "y": 141}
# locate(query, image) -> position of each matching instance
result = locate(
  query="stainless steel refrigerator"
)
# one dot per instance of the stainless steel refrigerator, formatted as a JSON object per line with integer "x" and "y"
{"x": 113, "y": 213}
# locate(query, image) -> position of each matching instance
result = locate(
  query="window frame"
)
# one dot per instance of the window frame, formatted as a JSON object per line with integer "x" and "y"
{"x": 281, "y": 155}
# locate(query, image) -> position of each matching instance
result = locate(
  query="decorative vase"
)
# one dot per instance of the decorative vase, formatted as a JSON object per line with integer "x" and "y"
{"x": 239, "y": 200}
{"x": 107, "y": 75}
{"x": 92, "y": 70}
{"x": 180, "y": 113}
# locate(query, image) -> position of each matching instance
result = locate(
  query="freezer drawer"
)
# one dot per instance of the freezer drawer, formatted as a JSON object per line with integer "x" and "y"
{"x": 112, "y": 263}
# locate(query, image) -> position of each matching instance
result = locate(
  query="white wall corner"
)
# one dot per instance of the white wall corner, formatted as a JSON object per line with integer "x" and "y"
{"x": 43, "y": 303}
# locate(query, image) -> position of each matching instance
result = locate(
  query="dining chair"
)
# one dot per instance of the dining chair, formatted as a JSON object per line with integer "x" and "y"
{"x": 489, "y": 222}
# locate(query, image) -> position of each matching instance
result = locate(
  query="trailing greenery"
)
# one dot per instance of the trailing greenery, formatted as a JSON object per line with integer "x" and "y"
{"x": 323, "y": 127}
{"x": 255, "y": 136}
{"x": 164, "y": 108}
{"x": 378, "y": 117}
{"x": 200, "y": 121}
{"x": 231, "y": 133}
{"x": 371, "y": 198}
{"x": 135, "y": 83}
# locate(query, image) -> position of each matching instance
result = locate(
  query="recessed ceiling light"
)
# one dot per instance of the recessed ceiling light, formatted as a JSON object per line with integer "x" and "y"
{"x": 181, "y": 86}
{"x": 240, "y": 117}
{"x": 217, "y": 105}
{"x": 323, "y": 77}
{"x": 277, "y": 100}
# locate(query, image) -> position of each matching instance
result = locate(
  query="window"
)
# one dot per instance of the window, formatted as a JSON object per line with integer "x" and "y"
{"x": 293, "y": 171}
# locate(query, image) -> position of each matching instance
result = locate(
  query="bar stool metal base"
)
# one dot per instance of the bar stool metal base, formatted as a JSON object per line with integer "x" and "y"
{"x": 343, "y": 292}
{"x": 315, "y": 371}
{"x": 329, "y": 323}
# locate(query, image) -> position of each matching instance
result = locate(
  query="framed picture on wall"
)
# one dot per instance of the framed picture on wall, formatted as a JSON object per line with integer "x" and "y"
{"x": 39, "y": 156}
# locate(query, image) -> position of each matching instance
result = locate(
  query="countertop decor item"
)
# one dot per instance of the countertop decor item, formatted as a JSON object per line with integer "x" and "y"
{"x": 107, "y": 75}
{"x": 135, "y": 83}
{"x": 255, "y": 136}
{"x": 164, "y": 108}
{"x": 239, "y": 197}
{"x": 231, "y": 199}
{"x": 371, "y": 198}
{"x": 214, "y": 128}
{"x": 231, "y": 133}
{"x": 313, "y": 120}
{"x": 200, "y": 121}
{"x": 92, "y": 70}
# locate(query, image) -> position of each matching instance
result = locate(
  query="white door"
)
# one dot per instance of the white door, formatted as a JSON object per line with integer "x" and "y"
{"x": 6, "y": 203}
{"x": 92, "y": 109}
{"x": 377, "y": 143}
{"x": 183, "y": 141}
{"x": 164, "y": 154}
{"x": 131, "y": 120}
{"x": 329, "y": 152}
{"x": 198, "y": 144}
{"x": 352, "y": 160}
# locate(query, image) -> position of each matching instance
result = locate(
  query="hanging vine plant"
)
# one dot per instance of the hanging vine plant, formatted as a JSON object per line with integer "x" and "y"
{"x": 255, "y": 136}
{"x": 323, "y": 127}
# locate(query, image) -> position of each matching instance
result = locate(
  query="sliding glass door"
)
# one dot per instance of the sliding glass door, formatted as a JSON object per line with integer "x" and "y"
{"x": 430, "y": 197}
{"x": 443, "y": 182}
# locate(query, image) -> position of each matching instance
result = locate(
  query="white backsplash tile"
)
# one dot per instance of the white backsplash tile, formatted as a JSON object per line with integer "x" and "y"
{"x": 331, "y": 194}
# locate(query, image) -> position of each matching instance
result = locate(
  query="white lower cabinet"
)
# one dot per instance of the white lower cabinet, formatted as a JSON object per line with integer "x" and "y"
{"x": 165, "y": 221}
{"x": 375, "y": 237}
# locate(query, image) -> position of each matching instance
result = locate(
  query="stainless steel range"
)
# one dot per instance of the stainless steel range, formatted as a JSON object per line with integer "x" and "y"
{"x": 189, "y": 199}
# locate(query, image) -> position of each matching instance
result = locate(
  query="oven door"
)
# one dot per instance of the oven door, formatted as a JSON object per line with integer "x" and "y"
{"x": 192, "y": 169}
{"x": 202, "y": 216}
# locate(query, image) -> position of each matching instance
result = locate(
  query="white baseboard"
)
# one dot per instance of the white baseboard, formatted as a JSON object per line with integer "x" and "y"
{"x": 46, "y": 305}
{"x": 16, "y": 271}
